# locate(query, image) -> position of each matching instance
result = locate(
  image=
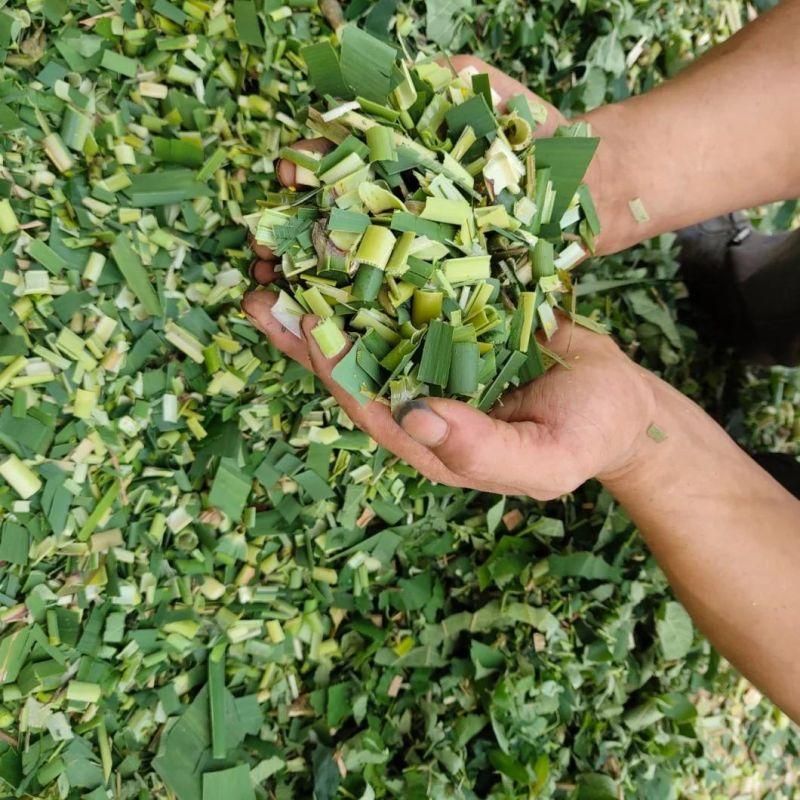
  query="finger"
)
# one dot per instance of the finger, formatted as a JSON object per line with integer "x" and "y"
{"x": 374, "y": 417}
{"x": 480, "y": 448}
{"x": 508, "y": 87}
{"x": 286, "y": 175}
{"x": 258, "y": 307}
{"x": 260, "y": 250}
{"x": 263, "y": 272}
{"x": 515, "y": 405}
{"x": 286, "y": 170}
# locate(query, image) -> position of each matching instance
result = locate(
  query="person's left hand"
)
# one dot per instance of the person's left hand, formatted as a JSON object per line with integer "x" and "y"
{"x": 543, "y": 440}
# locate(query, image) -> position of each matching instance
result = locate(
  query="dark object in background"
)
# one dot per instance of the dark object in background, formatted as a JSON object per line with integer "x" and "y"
{"x": 783, "y": 467}
{"x": 748, "y": 284}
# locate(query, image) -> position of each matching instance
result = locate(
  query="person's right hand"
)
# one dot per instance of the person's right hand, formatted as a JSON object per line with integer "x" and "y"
{"x": 505, "y": 87}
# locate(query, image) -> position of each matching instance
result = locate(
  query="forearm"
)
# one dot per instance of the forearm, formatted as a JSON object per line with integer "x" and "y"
{"x": 727, "y": 536}
{"x": 721, "y": 136}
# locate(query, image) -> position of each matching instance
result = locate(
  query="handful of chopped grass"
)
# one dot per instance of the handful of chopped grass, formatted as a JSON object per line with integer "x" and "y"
{"x": 437, "y": 231}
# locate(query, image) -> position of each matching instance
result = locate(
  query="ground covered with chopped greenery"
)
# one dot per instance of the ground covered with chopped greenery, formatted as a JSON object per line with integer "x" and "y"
{"x": 210, "y": 584}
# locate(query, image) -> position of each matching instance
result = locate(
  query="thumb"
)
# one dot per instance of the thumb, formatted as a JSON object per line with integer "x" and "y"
{"x": 471, "y": 444}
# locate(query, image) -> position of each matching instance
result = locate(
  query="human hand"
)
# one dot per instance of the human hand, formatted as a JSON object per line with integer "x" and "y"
{"x": 545, "y": 439}
{"x": 505, "y": 87}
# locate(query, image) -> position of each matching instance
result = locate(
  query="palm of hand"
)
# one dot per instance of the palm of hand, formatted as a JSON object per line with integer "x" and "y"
{"x": 578, "y": 422}
{"x": 543, "y": 440}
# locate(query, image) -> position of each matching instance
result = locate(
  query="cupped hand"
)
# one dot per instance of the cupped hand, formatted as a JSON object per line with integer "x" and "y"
{"x": 503, "y": 85}
{"x": 544, "y": 439}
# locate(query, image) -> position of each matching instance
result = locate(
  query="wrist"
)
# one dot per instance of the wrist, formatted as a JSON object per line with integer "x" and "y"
{"x": 689, "y": 468}
{"x": 679, "y": 439}
{"x": 646, "y": 422}
{"x": 613, "y": 177}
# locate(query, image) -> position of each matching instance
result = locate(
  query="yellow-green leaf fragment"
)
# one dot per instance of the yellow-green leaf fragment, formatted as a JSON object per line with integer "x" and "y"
{"x": 656, "y": 434}
{"x": 527, "y": 306}
{"x": 289, "y": 313}
{"x": 495, "y": 215}
{"x": 437, "y": 352}
{"x": 57, "y": 152}
{"x": 503, "y": 170}
{"x": 571, "y": 255}
{"x": 216, "y": 699}
{"x": 329, "y": 337}
{"x": 347, "y": 221}
{"x": 306, "y": 159}
{"x": 464, "y": 368}
{"x": 376, "y": 246}
{"x": 547, "y": 318}
{"x": 426, "y": 306}
{"x": 508, "y": 371}
{"x": 118, "y": 63}
{"x": 368, "y": 282}
{"x": 8, "y": 219}
{"x": 377, "y": 199}
{"x": 638, "y": 210}
{"x": 454, "y": 212}
{"x": 46, "y": 256}
{"x": 75, "y": 128}
{"x": 102, "y": 507}
{"x": 14, "y": 649}
{"x": 324, "y": 69}
{"x": 19, "y": 476}
{"x": 567, "y": 158}
{"x": 234, "y": 783}
{"x": 381, "y": 143}
{"x": 543, "y": 259}
{"x": 84, "y": 403}
{"x": 184, "y": 341}
{"x": 405, "y": 94}
{"x": 468, "y": 269}
{"x": 83, "y": 692}
{"x": 476, "y": 113}
{"x": 367, "y": 64}
{"x": 275, "y": 631}
{"x": 314, "y": 299}
{"x": 325, "y": 575}
{"x": 398, "y": 261}
{"x": 137, "y": 278}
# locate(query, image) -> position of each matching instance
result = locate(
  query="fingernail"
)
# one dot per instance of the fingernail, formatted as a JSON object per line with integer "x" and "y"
{"x": 247, "y": 303}
{"x": 422, "y": 423}
{"x": 248, "y": 307}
